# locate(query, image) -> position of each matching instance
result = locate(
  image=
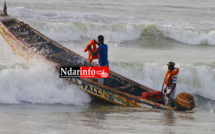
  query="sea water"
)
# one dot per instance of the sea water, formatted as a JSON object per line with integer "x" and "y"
{"x": 142, "y": 37}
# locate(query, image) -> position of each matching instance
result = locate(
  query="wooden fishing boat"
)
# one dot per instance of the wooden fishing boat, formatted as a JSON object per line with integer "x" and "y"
{"x": 29, "y": 43}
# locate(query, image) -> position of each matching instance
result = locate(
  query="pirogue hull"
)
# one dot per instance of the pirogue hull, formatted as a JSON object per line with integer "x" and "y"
{"x": 29, "y": 43}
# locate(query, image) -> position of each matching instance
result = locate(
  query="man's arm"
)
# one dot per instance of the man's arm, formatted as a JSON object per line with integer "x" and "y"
{"x": 96, "y": 42}
{"x": 91, "y": 51}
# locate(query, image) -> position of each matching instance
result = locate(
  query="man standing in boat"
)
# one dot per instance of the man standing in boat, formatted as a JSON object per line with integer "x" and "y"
{"x": 102, "y": 51}
{"x": 170, "y": 82}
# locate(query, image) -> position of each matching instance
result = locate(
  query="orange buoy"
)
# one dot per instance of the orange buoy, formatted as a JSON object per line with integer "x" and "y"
{"x": 92, "y": 42}
{"x": 186, "y": 100}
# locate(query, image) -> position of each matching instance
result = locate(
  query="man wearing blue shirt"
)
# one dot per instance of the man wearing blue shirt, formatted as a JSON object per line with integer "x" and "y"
{"x": 102, "y": 51}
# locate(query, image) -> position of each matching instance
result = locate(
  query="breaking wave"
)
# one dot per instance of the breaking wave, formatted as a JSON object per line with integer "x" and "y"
{"x": 34, "y": 82}
{"x": 123, "y": 32}
{"x": 66, "y": 26}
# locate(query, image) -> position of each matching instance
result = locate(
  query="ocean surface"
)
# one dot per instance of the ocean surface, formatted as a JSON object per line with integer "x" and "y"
{"x": 142, "y": 36}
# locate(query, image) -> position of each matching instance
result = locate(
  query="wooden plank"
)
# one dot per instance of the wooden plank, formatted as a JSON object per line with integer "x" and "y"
{"x": 58, "y": 54}
{"x": 125, "y": 87}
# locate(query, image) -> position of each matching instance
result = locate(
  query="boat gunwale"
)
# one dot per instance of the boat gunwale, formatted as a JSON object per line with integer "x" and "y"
{"x": 129, "y": 96}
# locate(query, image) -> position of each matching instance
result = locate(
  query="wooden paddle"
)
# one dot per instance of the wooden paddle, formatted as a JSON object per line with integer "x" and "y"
{"x": 162, "y": 88}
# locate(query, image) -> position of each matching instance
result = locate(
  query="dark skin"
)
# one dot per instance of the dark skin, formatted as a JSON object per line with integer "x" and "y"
{"x": 171, "y": 68}
{"x": 96, "y": 52}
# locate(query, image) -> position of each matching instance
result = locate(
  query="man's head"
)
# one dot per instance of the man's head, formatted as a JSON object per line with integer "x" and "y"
{"x": 101, "y": 39}
{"x": 171, "y": 65}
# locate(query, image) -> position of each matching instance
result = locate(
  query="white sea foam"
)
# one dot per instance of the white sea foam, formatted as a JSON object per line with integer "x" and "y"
{"x": 66, "y": 31}
{"x": 188, "y": 36}
{"x": 123, "y": 32}
{"x": 38, "y": 84}
{"x": 76, "y": 31}
{"x": 210, "y": 107}
{"x": 34, "y": 82}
